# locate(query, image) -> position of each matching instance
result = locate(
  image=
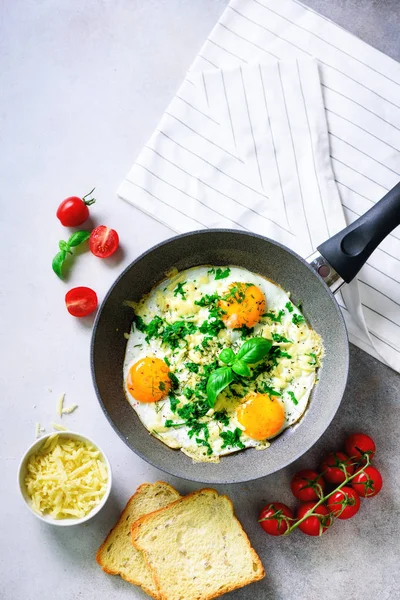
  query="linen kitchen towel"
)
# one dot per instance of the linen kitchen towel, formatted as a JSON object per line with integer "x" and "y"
{"x": 288, "y": 126}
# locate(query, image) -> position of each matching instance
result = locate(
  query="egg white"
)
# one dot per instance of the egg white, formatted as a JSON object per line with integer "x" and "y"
{"x": 296, "y": 374}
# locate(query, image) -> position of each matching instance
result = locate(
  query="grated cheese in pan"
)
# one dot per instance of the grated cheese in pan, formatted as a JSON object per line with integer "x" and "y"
{"x": 66, "y": 478}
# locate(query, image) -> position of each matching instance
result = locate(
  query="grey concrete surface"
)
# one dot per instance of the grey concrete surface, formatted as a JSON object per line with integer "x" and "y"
{"x": 82, "y": 85}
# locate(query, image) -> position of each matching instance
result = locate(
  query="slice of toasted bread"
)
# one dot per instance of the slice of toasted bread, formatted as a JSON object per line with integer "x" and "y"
{"x": 196, "y": 548}
{"x": 117, "y": 555}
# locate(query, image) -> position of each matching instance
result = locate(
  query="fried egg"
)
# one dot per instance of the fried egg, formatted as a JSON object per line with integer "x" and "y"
{"x": 179, "y": 331}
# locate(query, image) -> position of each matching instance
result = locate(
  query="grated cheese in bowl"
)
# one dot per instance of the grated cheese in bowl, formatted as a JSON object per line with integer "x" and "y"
{"x": 65, "y": 478}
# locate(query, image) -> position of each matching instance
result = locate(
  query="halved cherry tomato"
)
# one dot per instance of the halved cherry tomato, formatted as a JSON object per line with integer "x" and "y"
{"x": 81, "y": 301}
{"x": 359, "y": 444}
{"x": 316, "y": 524}
{"x": 335, "y": 466}
{"x": 344, "y": 503}
{"x": 307, "y": 485}
{"x": 276, "y": 518}
{"x": 368, "y": 483}
{"x": 73, "y": 211}
{"x": 103, "y": 241}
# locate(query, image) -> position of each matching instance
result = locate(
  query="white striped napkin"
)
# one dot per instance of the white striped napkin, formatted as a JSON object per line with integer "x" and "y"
{"x": 255, "y": 139}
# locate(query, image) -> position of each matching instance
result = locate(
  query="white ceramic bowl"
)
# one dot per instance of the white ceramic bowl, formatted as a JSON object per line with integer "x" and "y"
{"x": 22, "y": 472}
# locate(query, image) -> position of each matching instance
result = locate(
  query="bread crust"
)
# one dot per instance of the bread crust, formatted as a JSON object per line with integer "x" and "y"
{"x": 124, "y": 513}
{"x": 138, "y": 524}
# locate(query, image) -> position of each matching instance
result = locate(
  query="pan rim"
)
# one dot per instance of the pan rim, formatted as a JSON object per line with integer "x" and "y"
{"x": 243, "y": 477}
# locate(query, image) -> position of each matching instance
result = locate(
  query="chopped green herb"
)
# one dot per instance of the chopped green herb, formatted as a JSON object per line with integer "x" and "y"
{"x": 212, "y": 327}
{"x": 161, "y": 386}
{"x": 179, "y": 290}
{"x": 167, "y": 361}
{"x": 173, "y": 403}
{"x": 297, "y": 319}
{"x": 174, "y": 380}
{"x": 268, "y": 390}
{"x": 211, "y": 271}
{"x": 235, "y": 293}
{"x": 289, "y": 307}
{"x": 206, "y": 444}
{"x": 154, "y": 328}
{"x": 300, "y": 306}
{"x": 245, "y": 331}
{"x": 222, "y": 417}
{"x": 140, "y": 324}
{"x": 207, "y": 299}
{"x": 175, "y": 332}
{"x": 314, "y": 360}
{"x": 170, "y": 423}
{"x": 276, "y": 318}
{"x": 293, "y": 398}
{"x": 279, "y": 338}
{"x": 192, "y": 367}
{"x": 220, "y": 274}
{"x": 188, "y": 392}
{"x": 232, "y": 438}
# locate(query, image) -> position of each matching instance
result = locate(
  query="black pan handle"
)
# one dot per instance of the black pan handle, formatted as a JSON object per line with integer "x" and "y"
{"x": 349, "y": 250}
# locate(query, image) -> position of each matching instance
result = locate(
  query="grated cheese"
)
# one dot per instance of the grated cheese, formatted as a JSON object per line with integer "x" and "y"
{"x": 58, "y": 427}
{"x": 66, "y": 478}
{"x": 69, "y": 409}
{"x": 60, "y": 404}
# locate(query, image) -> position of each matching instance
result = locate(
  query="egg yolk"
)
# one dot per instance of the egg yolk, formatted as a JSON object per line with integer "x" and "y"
{"x": 243, "y": 304}
{"x": 262, "y": 416}
{"x": 148, "y": 380}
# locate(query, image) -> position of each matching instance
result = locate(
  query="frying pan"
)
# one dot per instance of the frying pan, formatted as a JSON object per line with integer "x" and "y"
{"x": 311, "y": 281}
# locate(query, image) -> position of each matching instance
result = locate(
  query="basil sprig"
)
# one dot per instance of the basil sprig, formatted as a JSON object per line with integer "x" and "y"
{"x": 76, "y": 239}
{"x": 251, "y": 352}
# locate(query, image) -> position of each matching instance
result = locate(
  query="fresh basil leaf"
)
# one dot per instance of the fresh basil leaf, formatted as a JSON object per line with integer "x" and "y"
{"x": 78, "y": 238}
{"x": 58, "y": 263}
{"x": 254, "y": 350}
{"x": 218, "y": 381}
{"x": 64, "y": 246}
{"x": 227, "y": 355}
{"x": 241, "y": 368}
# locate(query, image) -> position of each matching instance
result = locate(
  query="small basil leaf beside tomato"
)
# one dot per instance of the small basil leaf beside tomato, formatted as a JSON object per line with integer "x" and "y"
{"x": 276, "y": 518}
{"x": 78, "y": 238}
{"x": 81, "y": 301}
{"x": 368, "y": 483}
{"x": 344, "y": 503}
{"x": 103, "y": 241}
{"x": 57, "y": 263}
{"x": 307, "y": 486}
{"x": 336, "y": 466}
{"x": 358, "y": 445}
{"x": 73, "y": 211}
{"x": 318, "y": 522}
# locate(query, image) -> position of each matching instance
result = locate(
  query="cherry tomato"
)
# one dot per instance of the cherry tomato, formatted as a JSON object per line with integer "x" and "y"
{"x": 367, "y": 483}
{"x": 334, "y": 465}
{"x": 316, "y": 524}
{"x": 276, "y": 518}
{"x": 103, "y": 241}
{"x": 307, "y": 485}
{"x": 81, "y": 301}
{"x": 359, "y": 444}
{"x": 73, "y": 211}
{"x": 344, "y": 503}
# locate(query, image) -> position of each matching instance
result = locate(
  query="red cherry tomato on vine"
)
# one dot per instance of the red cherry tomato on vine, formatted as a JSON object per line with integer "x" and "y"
{"x": 276, "y": 518}
{"x": 103, "y": 241}
{"x": 81, "y": 301}
{"x": 344, "y": 503}
{"x": 316, "y": 524}
{"x": 307, "y": 486}
{"x": 358, "y": 444}
{"x": 367, "y": 483}
{"x": 334, "y": 467}
{"x": 73, "y": 211}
